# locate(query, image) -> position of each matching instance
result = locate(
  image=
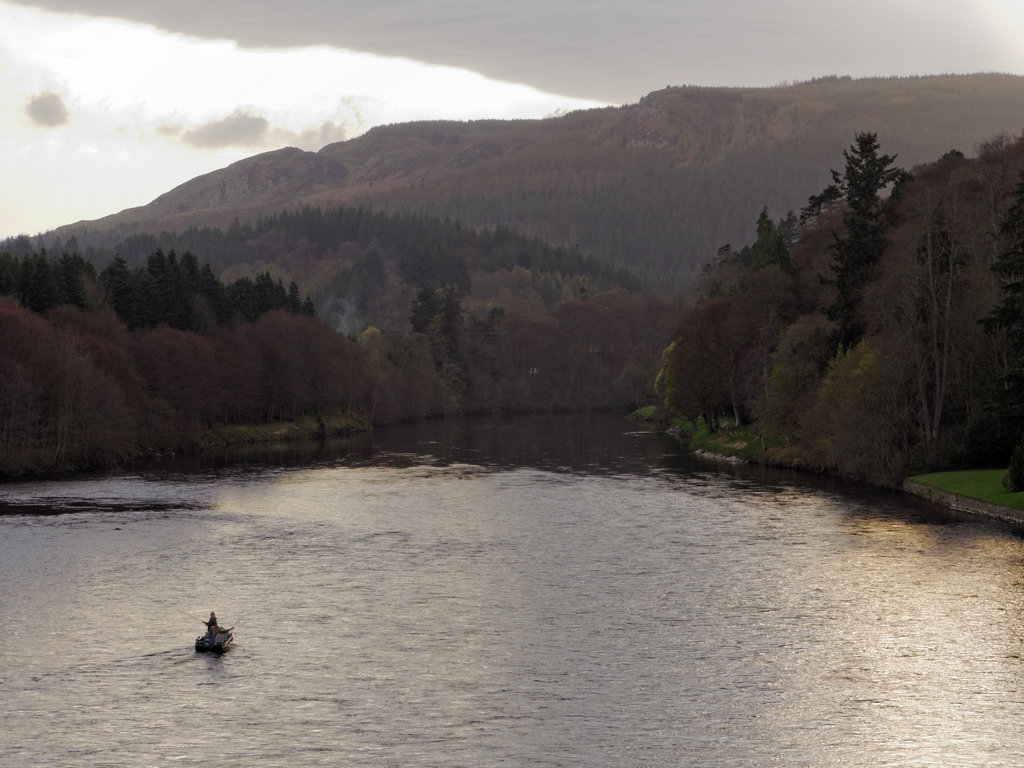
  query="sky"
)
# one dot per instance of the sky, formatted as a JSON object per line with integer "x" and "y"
{"x": 106, "y": 104}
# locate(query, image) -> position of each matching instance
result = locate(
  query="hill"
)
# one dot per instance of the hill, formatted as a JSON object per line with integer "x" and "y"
{"x": 656, "y": 187}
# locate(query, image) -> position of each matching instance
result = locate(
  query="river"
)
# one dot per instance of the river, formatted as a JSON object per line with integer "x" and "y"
{"x": 558, "y": 591}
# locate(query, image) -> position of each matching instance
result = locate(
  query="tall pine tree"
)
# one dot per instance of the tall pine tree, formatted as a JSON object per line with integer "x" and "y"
{"x": 866, "y": 218}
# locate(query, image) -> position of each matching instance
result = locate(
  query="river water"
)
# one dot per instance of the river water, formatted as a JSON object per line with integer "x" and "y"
{"x": 565, "y": 591}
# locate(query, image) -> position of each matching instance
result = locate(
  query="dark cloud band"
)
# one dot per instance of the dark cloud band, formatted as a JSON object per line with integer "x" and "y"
{"x": 597, "y": 50}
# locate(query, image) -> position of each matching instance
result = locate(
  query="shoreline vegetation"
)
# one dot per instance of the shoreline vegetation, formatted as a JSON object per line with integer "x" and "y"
{"x": 337, "y": 424}
{"x": 978, "y": 492}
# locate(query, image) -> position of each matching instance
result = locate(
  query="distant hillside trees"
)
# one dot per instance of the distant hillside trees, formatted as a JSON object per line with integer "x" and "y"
{"x": 164, "y": 291}
{"x": 437, "y": 314}
{"x": 186, "y": 296}
{"x": 96, "y": 368}
{"x": 360, "y": 267}
{"x": 40, "y": 282}
{"x": 79, "y": 389}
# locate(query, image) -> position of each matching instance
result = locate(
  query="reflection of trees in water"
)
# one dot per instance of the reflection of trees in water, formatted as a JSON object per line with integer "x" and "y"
{"x": 594, "y": 442}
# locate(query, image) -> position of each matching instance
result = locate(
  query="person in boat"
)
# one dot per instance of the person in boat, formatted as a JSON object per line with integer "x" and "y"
{"x": 211, "y": 626}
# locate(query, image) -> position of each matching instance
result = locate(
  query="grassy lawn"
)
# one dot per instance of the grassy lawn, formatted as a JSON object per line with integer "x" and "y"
{"x": 981, "y": 484}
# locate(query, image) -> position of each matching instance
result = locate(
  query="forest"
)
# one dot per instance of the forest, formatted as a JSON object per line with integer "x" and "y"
{"x": 877, "y": 332}
{"x": 359, "y": 267}
{"x": 98, "y": 367}
{"x": 886, "y": 337}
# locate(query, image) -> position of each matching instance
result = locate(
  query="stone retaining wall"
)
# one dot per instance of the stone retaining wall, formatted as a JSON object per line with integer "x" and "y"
{"x": 963, "y": 504}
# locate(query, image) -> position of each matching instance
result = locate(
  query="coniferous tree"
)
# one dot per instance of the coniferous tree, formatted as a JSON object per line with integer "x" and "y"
{"x": 10, "y": 274}
{"x": 70, "y": 271}
{"x": 294, "y": 302}
{"x": 211, "y": 293}
{"x": 240, "y": 299}
{"x": 40, "y": 288}
{"x": 867, "y": 217}
{"x": 116, "y": 279}
{"x": 789, "y": 230}
{"x": 439, "y": 316}
{"x": 189, "y": 266}
{"x": 770, "y": 247}
{"x": 424, "y": 307}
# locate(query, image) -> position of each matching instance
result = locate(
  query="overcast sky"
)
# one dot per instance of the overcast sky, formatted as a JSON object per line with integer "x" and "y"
{"x": 105, "y": 104}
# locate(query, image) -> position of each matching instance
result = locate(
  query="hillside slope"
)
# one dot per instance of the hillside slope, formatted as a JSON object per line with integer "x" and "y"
{"x": 655, "y": 186}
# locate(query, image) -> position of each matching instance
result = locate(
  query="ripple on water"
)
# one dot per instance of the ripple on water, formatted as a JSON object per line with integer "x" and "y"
{"x": 429, "y": 609}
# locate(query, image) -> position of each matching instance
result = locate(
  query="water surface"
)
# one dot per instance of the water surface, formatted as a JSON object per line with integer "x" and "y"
{"x": 533, "y": 592}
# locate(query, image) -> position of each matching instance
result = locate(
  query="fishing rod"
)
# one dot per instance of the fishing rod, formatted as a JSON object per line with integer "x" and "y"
{"x": 175, "y": 608}
{"x": 204, "y": 621}
{"x": 191, "y": 615}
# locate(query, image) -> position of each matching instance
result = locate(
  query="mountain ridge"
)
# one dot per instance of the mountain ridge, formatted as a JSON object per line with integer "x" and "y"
{"x": 655, "y": 186}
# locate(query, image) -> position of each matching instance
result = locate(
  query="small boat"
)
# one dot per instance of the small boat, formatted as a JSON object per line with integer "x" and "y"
{"x": 219, "y": 643}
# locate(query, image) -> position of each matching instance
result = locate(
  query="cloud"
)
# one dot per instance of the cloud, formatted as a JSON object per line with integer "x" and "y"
{"x": 169, "y": 130}
{"x": 317, "y": 136}
{"x": 47, "y": 109}
{"x": 243, "y": 130}
{"x": 239, "y": 129}
{"x": 614, "y": 52}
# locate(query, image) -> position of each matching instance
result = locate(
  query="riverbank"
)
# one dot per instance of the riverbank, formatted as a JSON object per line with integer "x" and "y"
{"x": 977, "y": 492}
{"x": 300, "y": 429}
{"x": 334, "y": 424}
{"x": 964, "y": 504}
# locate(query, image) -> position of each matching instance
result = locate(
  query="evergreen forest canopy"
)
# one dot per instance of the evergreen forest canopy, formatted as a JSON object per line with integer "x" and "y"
{"x": 361, "y": 267}
{"x": 164, "y": 291}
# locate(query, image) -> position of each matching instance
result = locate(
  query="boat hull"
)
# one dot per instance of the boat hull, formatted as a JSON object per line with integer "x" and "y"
{"x": 205, "y": 645}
